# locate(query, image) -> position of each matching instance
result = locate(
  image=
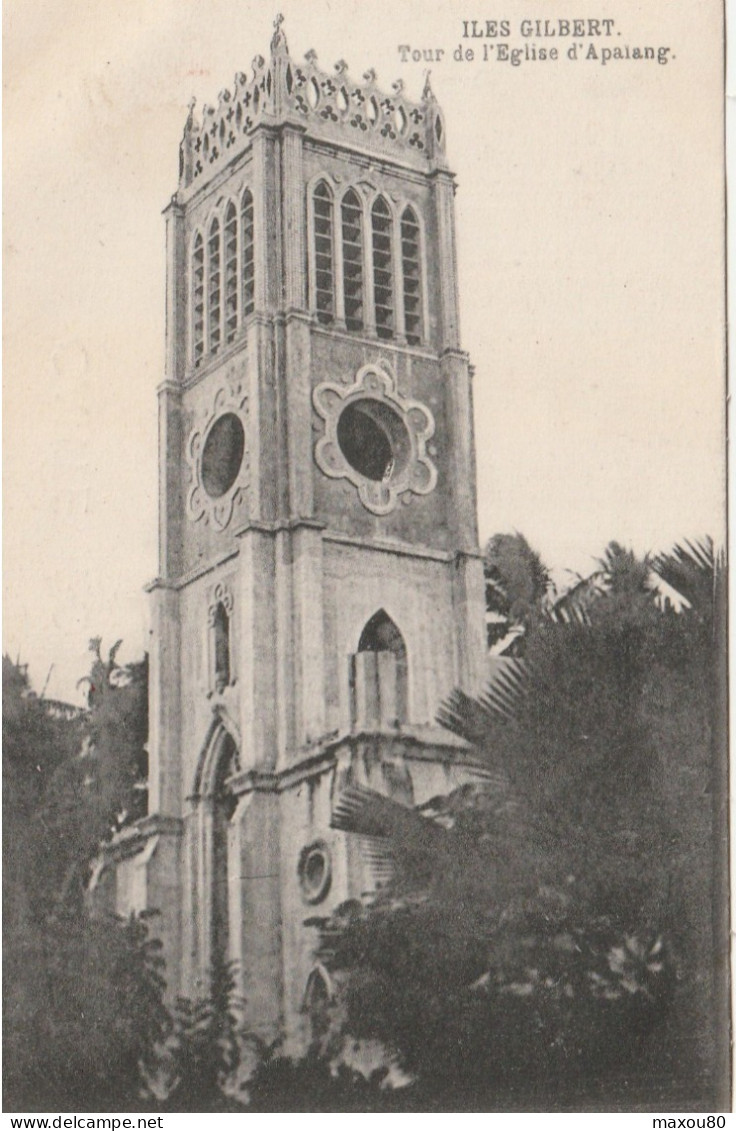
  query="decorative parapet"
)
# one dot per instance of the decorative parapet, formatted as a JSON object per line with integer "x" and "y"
{"x": 330, "y": 106}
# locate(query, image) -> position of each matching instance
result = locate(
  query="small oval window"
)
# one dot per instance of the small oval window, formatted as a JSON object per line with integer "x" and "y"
{"x": 315, "y": 871}
{"x": 222, "y": 455}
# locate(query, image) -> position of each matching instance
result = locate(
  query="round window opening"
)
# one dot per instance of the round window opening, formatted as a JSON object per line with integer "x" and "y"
{"x": 222, "y": 455}
{"x": 315, "y": 874}
{"x": 374, "y": 440}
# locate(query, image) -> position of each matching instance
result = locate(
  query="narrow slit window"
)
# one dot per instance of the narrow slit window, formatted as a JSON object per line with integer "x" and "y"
{"x": 324, "y": 287}
{"x": 214, "y": 297}
{"x": 198, "y": 299}
{"x": 383, "y": 283}
{"x": 222, "y": 647}
{"x": 248, "y": 255}
{"x": 412, "y": 277}
{"x": 352, "y": 260}
{"x": 231, "y": 272}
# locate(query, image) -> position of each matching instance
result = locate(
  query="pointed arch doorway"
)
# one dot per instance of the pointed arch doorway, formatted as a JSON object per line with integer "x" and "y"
{"x": 213, "y": 871}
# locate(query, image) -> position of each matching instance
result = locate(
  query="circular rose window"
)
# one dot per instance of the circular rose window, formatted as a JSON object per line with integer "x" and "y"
{"x": 315, "y": 871}
{"x": 373, "y": 439}
{"x": 222, "y": 455}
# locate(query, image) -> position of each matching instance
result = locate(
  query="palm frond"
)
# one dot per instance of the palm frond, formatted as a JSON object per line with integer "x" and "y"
{"x": 368, "y": 813}
{"x": 691, "y": 568}
{"x": 573, "y": 606}
{"x": 398, "y": 838}
{"x": 469, "y": 717}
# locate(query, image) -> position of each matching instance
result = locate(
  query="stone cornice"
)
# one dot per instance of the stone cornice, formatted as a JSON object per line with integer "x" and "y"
{"x": 131, "y": 840}
{"x": 336, "y": 537}
{"x": 418, "y": 744}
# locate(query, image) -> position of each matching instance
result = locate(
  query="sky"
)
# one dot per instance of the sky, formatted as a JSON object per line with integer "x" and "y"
{"x": 589, "y": 217}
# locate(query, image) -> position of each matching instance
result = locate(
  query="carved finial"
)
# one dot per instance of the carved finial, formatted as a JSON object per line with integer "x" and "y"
{"x": 224, "y": 95}
{"x": 311, "y": 55}
{"x": 241, "y": 79}
{"x": 369, "y": 76}
{"x": 185, "y": 145}
{"x": 398, "y": 86}
{"x": 258, "y": 64}
{"x": 278, "y": 40}
{"x": 427, "y": 93}
{"x": 341, "y": 66}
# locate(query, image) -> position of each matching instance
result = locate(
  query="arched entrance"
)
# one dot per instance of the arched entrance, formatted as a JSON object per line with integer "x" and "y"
{"x": 224, "y": 804}
{"x": 210, "y": 852}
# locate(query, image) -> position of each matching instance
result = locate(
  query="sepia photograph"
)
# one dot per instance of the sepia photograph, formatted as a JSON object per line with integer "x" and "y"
{"x": 365, "y": 702}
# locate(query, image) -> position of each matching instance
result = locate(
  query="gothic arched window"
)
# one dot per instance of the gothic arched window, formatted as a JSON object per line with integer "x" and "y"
{"x": 383, "y": 281}
{"x": 214, "y": 282}
{"x": 352, "y": 260}
{"x": 324, "y": 271}
{"x": 231, "y": 272}
{"x": 381, "y": 635}
{"x": 380, "y": 674}
{"x": 221, "y": 646}
{"x": 316, "y": 1006}
{"x": 198, "y": 298}
{"x": 412, "y": 276}
{"x": 248, "y": 266}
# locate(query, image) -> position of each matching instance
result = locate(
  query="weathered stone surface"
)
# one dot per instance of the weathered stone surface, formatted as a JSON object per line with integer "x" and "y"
{"x": 263, "y": 706}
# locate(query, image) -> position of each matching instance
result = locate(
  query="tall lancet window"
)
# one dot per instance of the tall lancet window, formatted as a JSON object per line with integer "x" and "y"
{"x": 383, "y": 281}
{"x": 231, "y": 272}
{"x": 412, "y": 276}
{"x": 248, "y": 266}
{"x": 352, "y": 260}
{"x": 324, "y": 269}
{"x": 221, "y": 632}
{"x": 198, "y": 299}
{"x": 214, "y": 283}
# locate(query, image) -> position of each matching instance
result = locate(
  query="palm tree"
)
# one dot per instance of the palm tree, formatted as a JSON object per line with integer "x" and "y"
{"x": 517, "y": 583}
{"x": 569, "y": 831}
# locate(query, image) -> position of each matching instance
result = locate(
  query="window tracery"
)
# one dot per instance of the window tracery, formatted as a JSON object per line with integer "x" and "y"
{"x": 411, "y": 276}
{"x": 214, "y": 256}
{"x": 383, "y": 282}
{"x": 324, "y": 284}
{"x": 231, "y": 272}
{"x": 248, "y": 256}
{"x": 198, "y": 298}
{"x": 352, "y": 259}
{"x": 222, "y": 278}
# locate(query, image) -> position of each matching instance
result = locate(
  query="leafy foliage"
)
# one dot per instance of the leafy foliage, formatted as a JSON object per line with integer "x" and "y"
{"x": 313, "y": 1084}
{"x": 542, "y": 923}
{"x": 517, "y": 582}
{"x": 203, "y": 1052}
{"x": 84, "y": 996}
{"x": 84, "y": 1030}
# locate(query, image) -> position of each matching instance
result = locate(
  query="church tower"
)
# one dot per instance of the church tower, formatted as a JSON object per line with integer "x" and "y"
{"x": 320, "y": 587}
